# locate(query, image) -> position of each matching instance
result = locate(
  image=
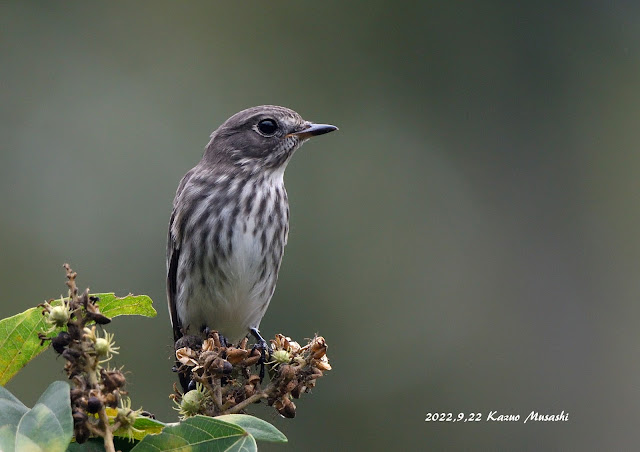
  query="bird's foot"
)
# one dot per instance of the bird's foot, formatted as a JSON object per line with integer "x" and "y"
{"x": 262, "y": 345}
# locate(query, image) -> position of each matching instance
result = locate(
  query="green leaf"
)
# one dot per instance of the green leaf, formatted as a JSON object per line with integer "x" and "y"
{"x": 199, "y": 434}
{"x": 259, "y": 429}
{"x": 19, "y": 341}
{"x": 47, "y": 427}
{"x": 97, "y": 445}
{"x": 91, "y": 445}
{"x": 11, "y": 411}
{"x": 113, "y": 306}
{"x": 143, "y": 426}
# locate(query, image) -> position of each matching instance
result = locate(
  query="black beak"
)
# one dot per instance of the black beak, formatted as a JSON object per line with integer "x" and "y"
{"x": 313, "y": 130}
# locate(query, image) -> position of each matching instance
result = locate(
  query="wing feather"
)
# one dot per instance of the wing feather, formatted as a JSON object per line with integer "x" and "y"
{"x": 173, "y": 259}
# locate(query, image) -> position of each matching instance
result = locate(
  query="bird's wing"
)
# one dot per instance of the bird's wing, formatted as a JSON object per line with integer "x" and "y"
{"x": 173, "y": 257}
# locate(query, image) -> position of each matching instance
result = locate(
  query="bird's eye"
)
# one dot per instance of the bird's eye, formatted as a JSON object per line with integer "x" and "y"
{"x": 267, "y": 127}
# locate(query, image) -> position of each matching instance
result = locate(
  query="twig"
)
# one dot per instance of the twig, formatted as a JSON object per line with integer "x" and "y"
{"x": 246, "y": 402}
{"x": 108, "y": 434}
{"x": 217, "y": 395}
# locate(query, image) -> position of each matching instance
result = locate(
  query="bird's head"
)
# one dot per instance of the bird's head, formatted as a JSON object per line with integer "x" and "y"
{"x": 262, "y": 137}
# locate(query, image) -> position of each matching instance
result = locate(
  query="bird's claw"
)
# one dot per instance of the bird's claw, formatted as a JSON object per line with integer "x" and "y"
{"x": 262, "y": 345}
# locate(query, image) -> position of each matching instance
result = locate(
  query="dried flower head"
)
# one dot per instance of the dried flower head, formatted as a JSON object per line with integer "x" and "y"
{"x": 104, "y": 347}
{"x": 94, "y": 388}
{"x": 187, "y": 356}
{"x": 126, "y": 417}
{"x": 225, "y": 383}
{"x": 56, "y": 316}
{"x": 193, "y": 402}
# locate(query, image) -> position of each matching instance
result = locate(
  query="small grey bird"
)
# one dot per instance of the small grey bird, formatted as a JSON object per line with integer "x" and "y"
{"x": 230, "y": 222}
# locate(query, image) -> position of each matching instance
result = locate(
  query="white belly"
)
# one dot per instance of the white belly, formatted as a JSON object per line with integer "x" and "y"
{"x": 233, "y": 294}
{"x": 236, "y": 302}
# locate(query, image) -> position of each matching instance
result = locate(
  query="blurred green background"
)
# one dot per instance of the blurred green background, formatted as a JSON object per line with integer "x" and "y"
{"x": 467, "y": 242}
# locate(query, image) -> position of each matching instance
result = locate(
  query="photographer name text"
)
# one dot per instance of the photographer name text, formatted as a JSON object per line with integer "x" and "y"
{"x": 495, "y": 416}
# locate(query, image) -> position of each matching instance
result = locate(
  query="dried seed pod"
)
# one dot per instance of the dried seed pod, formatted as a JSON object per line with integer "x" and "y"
{"x": 322, "y": 363}
{"x": 189, "y": 341}
{"x": 76, "y": 332}
{"x": 285, "y": 407}
{"x": 218, "y": 366}
{"x": 186, "y": 356}
{"x": 81, "y": 434}
{"x": 298, "y": 391}
{"x": 210, "y": 345}
{"x": 290, "y": 386}
{"x": 208, "y": 358}
{"x": 254, "y": 380}
{"x": 236, "y": 355}
{"x": 249, "y": 390}
{"x": 216, "y": 338}
{"x": 318, "y": 347}
{"x": 79, "y": 417}
{"x": 60, "y": 342}
{"x": 81, "y": 403}
{"x": 213, "y": 364}
{"x": 94, "y": 404}
{"x": 76, "y": 394}
{"x": 71, "y": 354}
{"x": 253, "y": 358}
{"x": 98, "y": 318}
{"x": 112, "y": 379}
{"x": 278, "y": 342}
{"x": 250, "y": 361}
{"x": 287, "y": 372}
{"x": 111, "y": 399}
{"x": 293, "y": 346}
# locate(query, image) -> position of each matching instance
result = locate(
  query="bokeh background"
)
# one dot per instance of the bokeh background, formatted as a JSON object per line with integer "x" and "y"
{"x": 467, "y": 242}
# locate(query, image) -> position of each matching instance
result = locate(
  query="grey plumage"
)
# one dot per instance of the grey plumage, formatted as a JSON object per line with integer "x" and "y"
{"x": 230, "y": 222}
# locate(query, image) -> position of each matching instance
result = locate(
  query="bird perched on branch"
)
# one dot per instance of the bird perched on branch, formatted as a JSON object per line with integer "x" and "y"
{"x": 230, "y": 221}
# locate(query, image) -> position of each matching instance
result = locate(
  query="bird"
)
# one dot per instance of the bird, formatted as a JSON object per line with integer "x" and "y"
{"x": 230, "y": 222}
